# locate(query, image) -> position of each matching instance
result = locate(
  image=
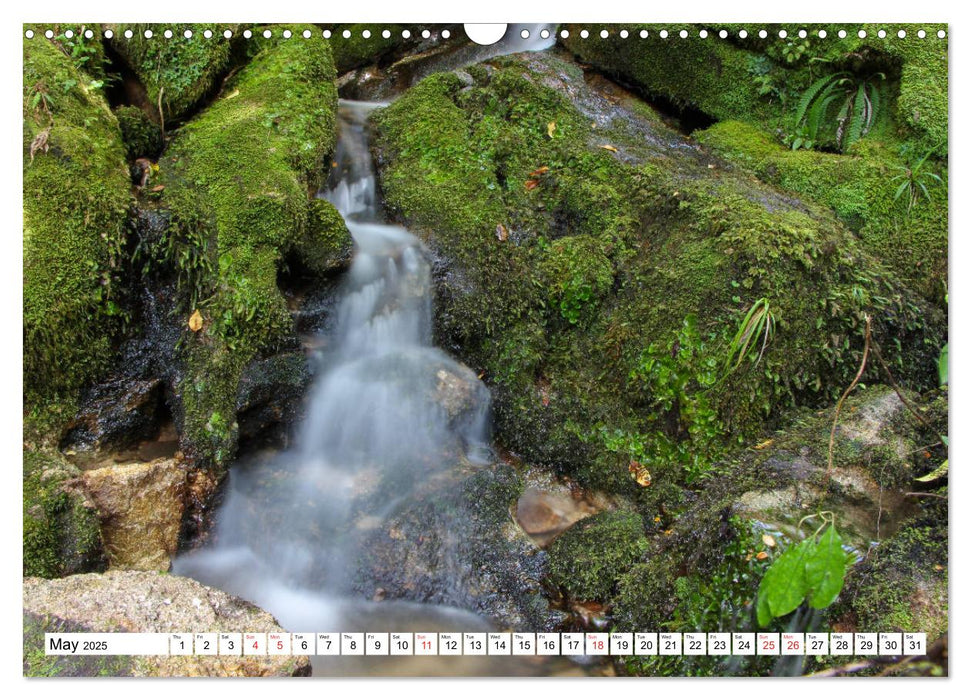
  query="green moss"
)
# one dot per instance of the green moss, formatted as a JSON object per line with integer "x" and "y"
{"x": 860, "y": 190}
{"x": 238, "y": 178}
{"x": 712, "y": 76}
{"x": 589, "y": 559}
{"x": 326, "y": 243}
{"x": 142, "y": 136}
{"x": 180, "y": 70}
{"x": 76, "y": 197}
{"x": 62, "y": 533}
{"x": 567, "y": 260}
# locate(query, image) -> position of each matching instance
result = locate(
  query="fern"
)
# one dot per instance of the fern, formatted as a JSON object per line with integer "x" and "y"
{"x": 856, "y": 101}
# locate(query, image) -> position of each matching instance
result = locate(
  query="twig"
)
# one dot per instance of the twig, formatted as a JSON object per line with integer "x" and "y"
{"x": 920, "y": 494}
{"x": 839, "y": 404}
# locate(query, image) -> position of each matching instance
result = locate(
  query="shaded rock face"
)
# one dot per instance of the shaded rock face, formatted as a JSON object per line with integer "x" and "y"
{"x": 141, "y": 507}
{"x": 130, "y": 601}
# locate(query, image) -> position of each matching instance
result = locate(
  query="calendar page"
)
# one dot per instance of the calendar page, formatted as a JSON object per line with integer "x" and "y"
{"x": 545, "y": 350}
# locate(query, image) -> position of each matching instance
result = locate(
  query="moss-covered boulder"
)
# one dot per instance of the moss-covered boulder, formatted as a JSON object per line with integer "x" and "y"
{"x": 596, "y": 266}
{"x": 76, "y": 197}
{"x": 238, "y": 184}
{"x": 357, "y": 50}
{"x": 177, "y": 73}
{"x": 588, "y": 559}
{"x": 61, "y": 528}
{"x": 861, "y": 189}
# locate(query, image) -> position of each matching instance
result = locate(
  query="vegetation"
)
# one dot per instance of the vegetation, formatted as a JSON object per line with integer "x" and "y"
{"x": 855, "y": 102}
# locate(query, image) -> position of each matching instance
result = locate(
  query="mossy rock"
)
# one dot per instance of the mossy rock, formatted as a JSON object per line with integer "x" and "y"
{"x": 142, "y": 136}
{"x": 709, "y": 75}
{"x": 76, "y": 199}
{"x": 181, "y": 71}
{"x": 902, "y": 586}
{"x": 238, "y": 182}
{"x": 62, "y": 533}
{"x": 860, "y": 189}
{"x": 326, "y": 244}
{"x": 356, "y": 51}
{"x": 588, "y": 559}
{"x": 574, "y": 231}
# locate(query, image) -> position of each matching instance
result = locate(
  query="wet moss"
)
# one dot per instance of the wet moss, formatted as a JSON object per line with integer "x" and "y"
{"x": 326, "y": 243}
{"x": 239, "y": 178}
{"x": 177, "y": 72}
{"x": 62, "y": 534}
{"x": 587, "y": 560}
{"x": 76, "y": 198}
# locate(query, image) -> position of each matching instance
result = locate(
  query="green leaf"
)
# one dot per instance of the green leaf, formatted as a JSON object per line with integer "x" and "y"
{"x": 825, "y": 569}
{"x": 938, "y": 473}
{"x": 783, "y": 586}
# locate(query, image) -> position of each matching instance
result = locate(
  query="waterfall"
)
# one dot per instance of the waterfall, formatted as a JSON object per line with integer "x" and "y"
{"x": 387, "y": 411}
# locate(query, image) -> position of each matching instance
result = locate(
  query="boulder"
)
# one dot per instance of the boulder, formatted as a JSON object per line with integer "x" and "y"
{"x": 141, "y": 507}
{"x": 134, "y": 601}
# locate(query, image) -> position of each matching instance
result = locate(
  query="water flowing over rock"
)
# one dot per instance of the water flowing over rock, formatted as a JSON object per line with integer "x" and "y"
{"x": 134, "y": 601}
{"x": 390, "y": 491}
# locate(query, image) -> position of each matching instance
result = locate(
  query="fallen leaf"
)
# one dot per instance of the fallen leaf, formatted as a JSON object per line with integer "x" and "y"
{"x": 711, "y": 166}
{"x": 640, "y": 473}
{"x": 234, "y": 93}
{"x": 539, "y": 171}
{"x": 657, "y": 518}
{"x": 762, "y": 555}
{"x": 550, "y": 128}
{"x": 532, "y": 184}
{"x": 501, "y": 232}
{"x": 39, "y": 143}
{"x": 769, "y": 540}
{"x": 195, "y": 321}
{"x": 158, "y": 188}
{"x": 763, "y": 445}
{"x": 608, "y": 147}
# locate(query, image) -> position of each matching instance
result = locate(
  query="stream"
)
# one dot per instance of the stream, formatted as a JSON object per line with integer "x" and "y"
{"x": 388, "y": 414}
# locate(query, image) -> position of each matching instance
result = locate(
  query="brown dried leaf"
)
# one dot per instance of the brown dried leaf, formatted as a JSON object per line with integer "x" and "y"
{"x": 39, "y": 143}
{"x": 608, "y": 147}
{"x": 769, "y": 540}
{"x": 640, "y": 473}
{"x": 195, "y": 321}
{"x": 532, "y": 184}
{"x": 158, "y": 188}
{"x": 539, "y": 171}
{"x": 763, "y": 445}
{"x": 501, "y": 233}
{"x": 762, "y": 555}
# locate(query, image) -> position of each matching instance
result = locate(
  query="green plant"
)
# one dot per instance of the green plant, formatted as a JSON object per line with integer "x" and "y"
{"x": 677, "y": 377}
{"x": 576, "y": 293}
{"x": 840, "y": 106}
{"x": 812, "y": 571}
{"x": 914, "y": 180}
{"x": 755, "y": 330}
{"x": 83, "y": 51}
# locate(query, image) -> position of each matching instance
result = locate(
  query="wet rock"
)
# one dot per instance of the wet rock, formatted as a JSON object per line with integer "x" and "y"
{"x": 141, "y": 507}
{"x": 115, "y": 415}
{"x": 61, "y": 531}
{"x": 132, "y": 601}
{"x": 455, "y": 543}
{"x": 546, "y": 509}
{"x": 271, "y": 393}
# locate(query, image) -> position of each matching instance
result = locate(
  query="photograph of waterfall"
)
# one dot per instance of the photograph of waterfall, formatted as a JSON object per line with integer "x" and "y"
{"x": 367, "y": 350}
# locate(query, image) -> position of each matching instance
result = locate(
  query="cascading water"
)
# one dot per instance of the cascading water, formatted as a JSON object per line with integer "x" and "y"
{"x": 388, "y": 413}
